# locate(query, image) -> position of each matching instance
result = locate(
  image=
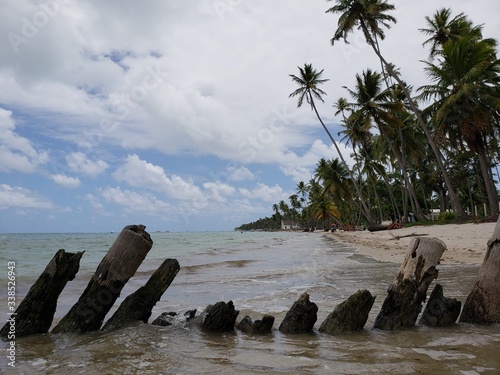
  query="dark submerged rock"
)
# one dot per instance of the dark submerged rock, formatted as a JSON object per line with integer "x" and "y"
{"x": 219, "y": 317}
{"x": 301, "y": 317}
{"x": 350, "y": 315}
{"x": 171, "y": 318}
{"x": 259, "y": 326}
{"x": 440, "y": 311}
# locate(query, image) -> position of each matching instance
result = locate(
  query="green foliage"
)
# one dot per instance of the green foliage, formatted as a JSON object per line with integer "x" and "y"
{"x": 447, "y": 217}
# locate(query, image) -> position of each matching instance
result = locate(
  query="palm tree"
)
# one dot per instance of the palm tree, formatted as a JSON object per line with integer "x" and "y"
{"x": 466, "y": 87}
{"x": 442, "y": 29}
{"x": 370, "y": 17}
{"x": 371, "y": 102}
{"x": 308, "y": 81}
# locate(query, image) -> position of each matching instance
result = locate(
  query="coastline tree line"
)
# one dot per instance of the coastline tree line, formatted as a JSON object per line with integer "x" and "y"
{"x": 435, "y": 147}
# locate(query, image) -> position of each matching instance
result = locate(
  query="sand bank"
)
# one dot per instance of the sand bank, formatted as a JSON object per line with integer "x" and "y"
{"x": 465, "y": 243}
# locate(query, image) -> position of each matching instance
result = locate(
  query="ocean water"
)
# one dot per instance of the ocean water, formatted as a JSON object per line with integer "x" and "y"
{"x": 262, "y": 273}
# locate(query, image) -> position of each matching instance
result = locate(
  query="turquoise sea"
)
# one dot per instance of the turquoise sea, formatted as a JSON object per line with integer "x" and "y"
{"x": 262, "y": 273}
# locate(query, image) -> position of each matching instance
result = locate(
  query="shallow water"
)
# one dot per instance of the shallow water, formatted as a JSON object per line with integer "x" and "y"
{"x": 261, "y": 273}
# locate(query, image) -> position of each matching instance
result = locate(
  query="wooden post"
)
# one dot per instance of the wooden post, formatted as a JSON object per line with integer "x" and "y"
{"x": 116, "y": 268}
{"x": 36, "y": 311}
{"x": 139, "y": 304}
{"x": 483, "y": 303}
{"x": 406, "y": 294}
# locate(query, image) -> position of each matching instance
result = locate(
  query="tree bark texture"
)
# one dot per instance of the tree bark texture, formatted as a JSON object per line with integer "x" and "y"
{"x": 36, "y": 311}
{"x": 483, "y": 303}
{"x": 116, "y": 268}
{"x": 139, "y": 304}
{"x": 409, "y": 290}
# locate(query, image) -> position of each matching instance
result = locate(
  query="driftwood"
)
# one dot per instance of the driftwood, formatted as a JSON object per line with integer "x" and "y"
{"x": 406, "y": 294}
{"x": 406, "y": 235}
{"x": 350, "y": 315}
{"x": 483, "y": 303}
{"x": 139, "y": 304}
{"x": 116, "y": 268}
{"x": 36, "y": 312}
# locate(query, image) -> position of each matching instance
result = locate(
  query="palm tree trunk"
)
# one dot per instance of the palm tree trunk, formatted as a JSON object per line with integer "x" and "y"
{"x": 366, "y": 210}
{"x": 488, "y": 182}
{"x": 451, "y": 192}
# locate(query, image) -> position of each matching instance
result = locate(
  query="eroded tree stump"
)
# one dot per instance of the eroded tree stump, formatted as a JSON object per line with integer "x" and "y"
{"x": 116, "y": 268}
{"x": 483, "y": 303}
{"x": 139, "y": 304}
{"x": 409, "y": 290}
{"x": 301, "y": 316}
{"x": 440, "y": 311}
{"x": 350, "y": 315}
{"x": 219, "y": 317}
{"x": 263, "y": 325}
{"x": 36, "y": 311}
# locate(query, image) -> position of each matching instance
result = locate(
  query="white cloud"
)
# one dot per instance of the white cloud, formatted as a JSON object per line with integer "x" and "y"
{"x": 218, "y": 192}
{"x": 66, "y": 181}
{"x": 17, "y": 153}
{"x": 240, "y": 173}
{"x": 132, "y": 201}
{"x": 19, "y": 197}
{"x": 272, "y": 194}
{"x": 139, "y": 173}
{"x": 79, "y": 163}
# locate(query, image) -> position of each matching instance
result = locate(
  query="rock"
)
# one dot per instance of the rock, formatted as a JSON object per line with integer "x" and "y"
{"x": 409, "y": 290}
{"x": 351, "y": 315}
{"x": 172, "y": 318}
{"x": 440, "y": 311}
{"x": 301, "y": 317}
{"x": 483, "y": 303}
{"x": 219, "y": 317}
{"x": 259, "y": 326}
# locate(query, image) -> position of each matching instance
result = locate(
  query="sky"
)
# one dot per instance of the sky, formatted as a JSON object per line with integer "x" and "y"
{"x": 175, "y": 114}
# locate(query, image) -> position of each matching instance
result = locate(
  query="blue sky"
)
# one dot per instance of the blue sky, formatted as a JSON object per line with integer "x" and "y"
{"x": 174, "y": 114}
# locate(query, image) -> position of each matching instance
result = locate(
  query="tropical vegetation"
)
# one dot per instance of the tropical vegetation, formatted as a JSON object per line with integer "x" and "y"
{"x": 417, "y": 152}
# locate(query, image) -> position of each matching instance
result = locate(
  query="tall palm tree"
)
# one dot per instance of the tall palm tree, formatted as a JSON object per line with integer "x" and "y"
{"x": 467, "y": 89}
{"x": 308, "y": 81}
{"x": 372, "y": 103}
{"x": 441, "y": 29}
{"x": 370, "y": 16}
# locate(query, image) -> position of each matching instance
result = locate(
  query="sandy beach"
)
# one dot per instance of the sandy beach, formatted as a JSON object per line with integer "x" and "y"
{"x": 465, "y": 243}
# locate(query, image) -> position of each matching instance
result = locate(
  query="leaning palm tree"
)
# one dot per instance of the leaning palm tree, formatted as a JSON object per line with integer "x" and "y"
{"x": 308, "y": 81}
{"x": 466, "y": 86}
{"x": 370, "y": 16}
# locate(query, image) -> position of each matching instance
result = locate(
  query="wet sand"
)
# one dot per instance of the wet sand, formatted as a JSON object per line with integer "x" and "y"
{"x": 465, "y": 243}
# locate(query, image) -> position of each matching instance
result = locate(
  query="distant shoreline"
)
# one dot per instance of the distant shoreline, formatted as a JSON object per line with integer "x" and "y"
{"x": 465, "y": 243}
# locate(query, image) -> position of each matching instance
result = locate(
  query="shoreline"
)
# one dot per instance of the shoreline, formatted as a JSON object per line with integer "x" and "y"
{"x": 465, "y": 243}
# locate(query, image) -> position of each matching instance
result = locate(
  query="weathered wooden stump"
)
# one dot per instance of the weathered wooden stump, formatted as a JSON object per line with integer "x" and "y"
{"x": 263, "y": 325}
{"x": 301, "y": 317}
{"x": 440, "y": 311}
{"x": 139, "y": 304}
{"x": 350, "y": 315}
{"x": 116, "y": 268}
{"x": 409, "y": 290}
{"x": 483, "y": 303}
{"x": 219, "y": 317}
{"x": 36, "y": 311}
